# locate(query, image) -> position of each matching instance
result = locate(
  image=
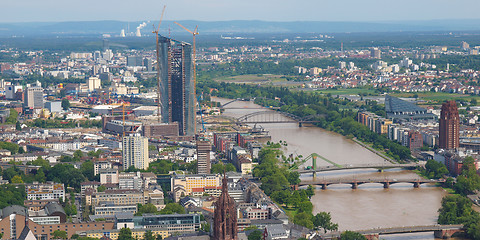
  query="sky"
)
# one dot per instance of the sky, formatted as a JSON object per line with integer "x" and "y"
{"x": 221, "y": 10}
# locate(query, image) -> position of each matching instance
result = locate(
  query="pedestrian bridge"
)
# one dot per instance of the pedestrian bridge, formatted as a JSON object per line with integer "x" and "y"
{"x": 360, "y": 166}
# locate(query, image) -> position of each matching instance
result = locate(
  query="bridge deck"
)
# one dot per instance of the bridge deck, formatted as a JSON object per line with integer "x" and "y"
{"x": 381, "y": 166}
{"x": 396, "y": 230}
{"x": 363, "y": 181}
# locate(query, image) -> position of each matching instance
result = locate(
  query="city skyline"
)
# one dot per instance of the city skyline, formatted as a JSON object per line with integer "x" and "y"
{"x": 218, "y": 10}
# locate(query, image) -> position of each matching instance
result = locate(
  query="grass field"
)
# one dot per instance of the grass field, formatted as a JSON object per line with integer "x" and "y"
{"x": 256, "y": 79}
{"x": 348, "y": 91}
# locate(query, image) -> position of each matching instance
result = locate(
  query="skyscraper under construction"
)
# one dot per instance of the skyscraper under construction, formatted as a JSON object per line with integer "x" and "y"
{"x": 177, "y": 90}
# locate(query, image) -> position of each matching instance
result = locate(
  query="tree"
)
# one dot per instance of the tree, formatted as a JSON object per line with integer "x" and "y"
{"x": 16, "y": 179}
{"x": 349, "y": 235}
{"x": 205, "y": 227}
{"x": 101, "y": 188}
{"x": 57, "y": 234}
{"x": 41, "y": 162}
{"x": 159, "y": 237}
{"x": 303, "y": 219}
{"x": 147, "y": 208}
{"x": 125, "y": 234}
{"x": 87, "y": 169}
{"x": 255, "y": 235}
{"x": 65, "y": 104}
{"x": 172, "y": 208}
{"x": 18, "y": 126}
{"x": 323, "y": 220}
{"x": 310, "y": 191}
{"x": 148, "y": 235}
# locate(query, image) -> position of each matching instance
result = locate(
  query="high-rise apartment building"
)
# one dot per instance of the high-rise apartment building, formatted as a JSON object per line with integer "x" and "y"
{"x": 376, "y": 53}
{"x": 93, "y": 83}
{"x": 203, "y": 156}
{"x": 449, "y": 126}
{"x": 177, "y": 87}
{"x": 135, "y": 152}
{"x": 33, "y": 97}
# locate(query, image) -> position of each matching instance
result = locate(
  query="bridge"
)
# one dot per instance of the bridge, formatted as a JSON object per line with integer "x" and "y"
{"x": 360, "y": 166}
{"x": 270, "y": 116}
{"x": 324, "y": 183}
{"x": 440, "y": 231}
{"x": 233, "y": 100}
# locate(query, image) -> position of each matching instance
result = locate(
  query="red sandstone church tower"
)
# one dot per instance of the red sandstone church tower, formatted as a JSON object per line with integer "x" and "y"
{"x": 225, "y": 216}
{"x": 449, "y": 126}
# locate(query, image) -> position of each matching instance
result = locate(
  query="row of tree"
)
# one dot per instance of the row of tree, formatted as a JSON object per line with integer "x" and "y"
{"x": 457, "y": 208}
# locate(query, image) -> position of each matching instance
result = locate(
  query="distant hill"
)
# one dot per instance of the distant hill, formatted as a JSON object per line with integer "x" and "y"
{"x": 233, "y": 27}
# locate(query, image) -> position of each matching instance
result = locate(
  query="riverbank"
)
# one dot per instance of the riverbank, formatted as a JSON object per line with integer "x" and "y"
{"x": 380, "y": 154}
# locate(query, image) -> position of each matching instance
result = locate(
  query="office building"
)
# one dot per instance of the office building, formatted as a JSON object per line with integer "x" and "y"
{"x": 133, "y": 61}
{"x": 53, "y": 106}
{"x": 449, "y": 126}
{"x": 203, "y": 156}
{"x": 177, "y": 87}
{"x": 13, "y": 221}
{"x": 135, "y": 152}
{"x": 118, "y": 197}
{"x": 11, "y": 90}
{"x": 33, "y": 97}
{"x": 185, "y": 185}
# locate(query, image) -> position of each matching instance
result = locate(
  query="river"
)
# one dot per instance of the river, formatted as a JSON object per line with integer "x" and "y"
{"x": 369, "y": 206}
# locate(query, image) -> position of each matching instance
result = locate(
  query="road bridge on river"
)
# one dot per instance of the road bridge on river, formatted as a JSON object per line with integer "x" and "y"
{"x": 440, "y": 231}
{"x": 324, "y": 183}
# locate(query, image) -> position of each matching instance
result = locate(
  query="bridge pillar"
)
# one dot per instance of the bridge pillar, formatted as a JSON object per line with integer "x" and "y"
{"x": 324, "y": 186}
{"x": 380, "y": 170}
{"x": 354, "y": 185}
{"x": 299, "y": 124}
{"x": 386, "y": 185}
{"x": 373, "y": 236}
{"x": 314, "y": 175}
{"x": 416, "y": 184}
{"x": 445, "y": 233}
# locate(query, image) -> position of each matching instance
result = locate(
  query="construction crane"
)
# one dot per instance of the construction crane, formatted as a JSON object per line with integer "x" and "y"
{"x": 155, "y": 31}
{"x": 194, "y": 34}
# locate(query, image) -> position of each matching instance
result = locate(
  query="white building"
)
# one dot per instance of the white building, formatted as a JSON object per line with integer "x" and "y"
{"x": 135, "y": 152}
{"x": 45, "y": 191}
{"x": 93, "y": 83}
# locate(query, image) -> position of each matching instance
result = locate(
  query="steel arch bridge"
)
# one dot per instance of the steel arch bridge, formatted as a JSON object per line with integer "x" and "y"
{"x": 276, "y": 117}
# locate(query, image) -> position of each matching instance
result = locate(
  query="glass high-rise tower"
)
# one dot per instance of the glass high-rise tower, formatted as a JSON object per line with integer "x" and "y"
{"x": 177, "y": 89}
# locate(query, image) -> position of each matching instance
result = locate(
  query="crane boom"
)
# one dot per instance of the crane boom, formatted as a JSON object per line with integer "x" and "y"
{"x": 186, "y": 29}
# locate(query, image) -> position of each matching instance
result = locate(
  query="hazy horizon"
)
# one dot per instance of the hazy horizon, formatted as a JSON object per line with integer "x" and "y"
{"x": 14, "y": 11}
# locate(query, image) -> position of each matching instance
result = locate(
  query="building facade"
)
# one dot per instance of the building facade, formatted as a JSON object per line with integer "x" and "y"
{"x": 177, "y": 86}
{"x": 449, "y": 126}
{"x": 135, "y": 152}
{"x": 33, "y": 97}
{"x": 45, "y": 191}
{"x": 203, "y": 156}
